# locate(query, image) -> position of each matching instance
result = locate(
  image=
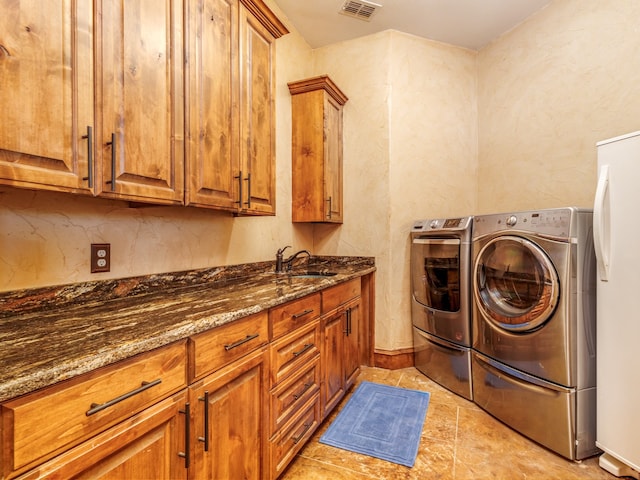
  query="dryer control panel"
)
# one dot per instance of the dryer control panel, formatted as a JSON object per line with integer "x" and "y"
{"x": 430, "y": 225}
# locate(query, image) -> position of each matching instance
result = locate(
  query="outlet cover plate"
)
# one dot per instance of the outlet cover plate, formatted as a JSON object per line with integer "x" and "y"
{"x": 100, "y": 257}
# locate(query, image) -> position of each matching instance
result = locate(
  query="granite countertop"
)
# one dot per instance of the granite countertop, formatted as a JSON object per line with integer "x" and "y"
{"x": 51, "y": 334}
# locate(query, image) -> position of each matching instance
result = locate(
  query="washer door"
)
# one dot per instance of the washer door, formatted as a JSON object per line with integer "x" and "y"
{"x": 515, "y": 284}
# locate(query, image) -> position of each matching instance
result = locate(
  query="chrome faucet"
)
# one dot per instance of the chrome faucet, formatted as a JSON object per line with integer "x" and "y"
{"x": 280, "y": 262}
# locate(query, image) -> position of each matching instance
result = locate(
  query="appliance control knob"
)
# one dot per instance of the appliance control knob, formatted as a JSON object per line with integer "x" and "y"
{"x": 433, "y": 224}
{"x": 512, "y": 220}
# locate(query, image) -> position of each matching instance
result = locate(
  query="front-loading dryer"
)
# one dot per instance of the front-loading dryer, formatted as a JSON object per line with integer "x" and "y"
{"x": 533, "y": 288}
{"x": 441, "y": 301}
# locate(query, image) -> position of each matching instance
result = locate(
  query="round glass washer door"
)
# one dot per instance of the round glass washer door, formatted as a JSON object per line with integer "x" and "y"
{"x": 516, "y": 285}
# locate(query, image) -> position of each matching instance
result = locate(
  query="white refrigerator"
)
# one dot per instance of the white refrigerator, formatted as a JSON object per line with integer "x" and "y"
{"x": 616, "y": 232}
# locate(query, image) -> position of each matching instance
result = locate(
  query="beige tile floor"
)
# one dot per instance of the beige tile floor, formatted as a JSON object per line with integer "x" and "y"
{"x": 459, "y": 441}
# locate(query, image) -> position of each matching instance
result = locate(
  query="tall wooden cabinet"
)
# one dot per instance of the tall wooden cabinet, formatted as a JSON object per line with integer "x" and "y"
{"x": 316, "y": 106}
{"x": 46, "y": 94}
{"x": 231, "y": 148}
{"x": 140, "y": 105}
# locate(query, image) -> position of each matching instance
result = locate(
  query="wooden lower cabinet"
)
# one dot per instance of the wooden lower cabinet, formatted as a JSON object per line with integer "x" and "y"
{"x": 228, "y": 421}
{"x": 151, "y": 444}
{"x": 340, "y": 353}
{"x": 290, "y": 439}
{"x": 333, "y": 385}
{"x": 352, "y": 338}
{"x": 236, "y": 402}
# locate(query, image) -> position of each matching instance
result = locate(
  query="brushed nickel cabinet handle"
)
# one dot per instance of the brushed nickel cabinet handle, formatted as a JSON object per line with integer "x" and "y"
{"x": 89, "y": 137}
{"x": 187, "y": 434}
{"x": 240, "y": 342}
{"x": 329, "y": 212}
{"x": 307, "y": 386}
{"x": 113, "y": 162}
{"x": 98, "y": 407}
{"x": 347, "y": 330}
{"x": 295, "y": 316}
{"x": 239, "y": 178}
{"x": 301, "y": 436}
{"x": 306, "y": 347}
{"x": 248, "y": 179}
{"x": 205, "y": 438}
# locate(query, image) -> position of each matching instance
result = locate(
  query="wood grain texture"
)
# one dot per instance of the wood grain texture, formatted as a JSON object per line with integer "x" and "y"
{"x": 142, "y": 101}
{"x": 317, "y": 156}
{"x": 46, "y": 73}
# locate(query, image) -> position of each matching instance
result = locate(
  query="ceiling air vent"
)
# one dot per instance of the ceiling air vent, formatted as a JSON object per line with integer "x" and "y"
{"x": 360, "y": 9}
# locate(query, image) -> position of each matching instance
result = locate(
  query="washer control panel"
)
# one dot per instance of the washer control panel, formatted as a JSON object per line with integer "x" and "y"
{"x": 554, "y": 222}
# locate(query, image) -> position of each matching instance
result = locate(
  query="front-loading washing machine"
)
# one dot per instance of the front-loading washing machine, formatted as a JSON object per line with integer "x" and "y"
{"x": 534, "y": 356}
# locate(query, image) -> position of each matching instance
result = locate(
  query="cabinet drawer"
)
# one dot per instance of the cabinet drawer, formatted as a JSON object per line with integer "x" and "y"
{"x": 222, "y": 345}
{"x": 289, "y": 396}
{"x": 292, "y": 351}
{"x": 286, "y": 318}
{"x": 293, "y": 436}
{"x": 57, "y": 417}
{"x": 335, "y": 296}
{"x": 128, "y": 448}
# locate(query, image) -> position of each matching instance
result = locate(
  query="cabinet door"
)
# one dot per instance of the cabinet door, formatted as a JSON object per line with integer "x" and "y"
{"x": 213, "y": 147}
{"x": 332, "y": 358}
{"x": 352, "y": 343}
{"x": 257, "y": 117}
{"x": 229, "y": 438}
{"x": 142, "y": 134}
{"x": 46, "y": 93}
{"x": 332, "y": 160}
{"x": 149, "y": 445}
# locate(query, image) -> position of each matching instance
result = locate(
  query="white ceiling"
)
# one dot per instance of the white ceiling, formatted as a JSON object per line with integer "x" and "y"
{"x": 466, "y": 23}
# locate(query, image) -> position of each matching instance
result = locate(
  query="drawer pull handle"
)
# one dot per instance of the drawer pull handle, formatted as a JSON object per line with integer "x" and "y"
{"x": 205, "y": 438}
{"x": 302, "y": 314}
{"x": 307, "y": 426}
{"x": 97, "y": 407}
{"x": 307, "y": 386}
{"x": 240, "y": 342}
{"x": 306, "y": 347}
{"x": 187, "y": 434}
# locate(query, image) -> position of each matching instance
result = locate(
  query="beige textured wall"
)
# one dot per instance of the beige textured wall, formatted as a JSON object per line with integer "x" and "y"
{"x": 433, "y": 161}
{"x": 548, "y": 91}
{"x": 45, "y": 237}
{"x": 425, "y": 137}
{"x": 410, "y": 141}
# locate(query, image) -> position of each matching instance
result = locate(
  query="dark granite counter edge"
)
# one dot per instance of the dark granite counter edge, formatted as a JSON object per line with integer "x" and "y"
{"x": 84, "y": 362}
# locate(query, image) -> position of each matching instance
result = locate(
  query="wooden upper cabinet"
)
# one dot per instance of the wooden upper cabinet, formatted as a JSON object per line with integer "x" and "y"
{"x": 213, "y": 147}
{"x": 231, "y": 148}
{"x": 140, "y": 101}
{"x": 125, "y": 138}
{"x": 46, "y": 94}
{"x": 316, "y": 106}
{"x": 258, "y": 30}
